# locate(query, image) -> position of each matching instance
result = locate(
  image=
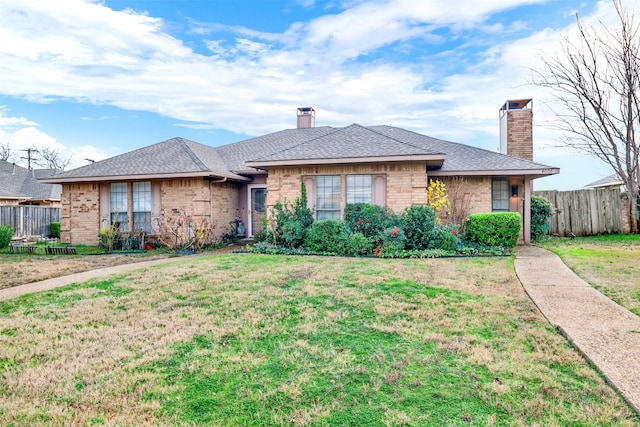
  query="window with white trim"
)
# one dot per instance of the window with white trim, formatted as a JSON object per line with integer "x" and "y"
{"x": 141, "y": 206}
{"x": 358, "y": 189}
{"x": 500, "y": 195}
{"x": 328, "y": 197}
{"x": 119, "y": 205}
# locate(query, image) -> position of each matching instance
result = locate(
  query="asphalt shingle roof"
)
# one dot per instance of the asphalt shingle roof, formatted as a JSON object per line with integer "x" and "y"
{"x": 181, "y": 156}
{"x": 173, "y": 156}
{"x": 19, "y": 182}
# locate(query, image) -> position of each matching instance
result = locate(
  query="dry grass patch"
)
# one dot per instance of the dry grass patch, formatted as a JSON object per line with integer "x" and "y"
{"x": 271, "y": 340}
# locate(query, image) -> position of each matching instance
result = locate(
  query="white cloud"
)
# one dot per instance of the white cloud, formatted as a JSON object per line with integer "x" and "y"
{"x": 85, "y": 51}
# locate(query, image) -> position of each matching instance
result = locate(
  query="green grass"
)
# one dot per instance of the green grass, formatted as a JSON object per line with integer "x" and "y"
{"x": 607, "y": 262}
{"x": 255, "y": 340}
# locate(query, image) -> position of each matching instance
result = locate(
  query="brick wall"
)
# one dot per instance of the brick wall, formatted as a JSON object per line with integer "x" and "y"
{"x": 80, "y": 214}
{"x": 406, "y": 183}
{"x": 218, "y": 205}
{"x": 520, "y": 133}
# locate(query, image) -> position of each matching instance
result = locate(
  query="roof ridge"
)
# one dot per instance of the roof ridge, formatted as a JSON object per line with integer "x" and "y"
{"x": 369, "y": 128}
{"x": 184, "y": 143}
{"x": 460, "y": 144}
{"x": 303, "y": 142}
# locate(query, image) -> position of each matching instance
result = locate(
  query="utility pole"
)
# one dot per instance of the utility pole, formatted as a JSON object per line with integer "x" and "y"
{"x": 29, "y": 156}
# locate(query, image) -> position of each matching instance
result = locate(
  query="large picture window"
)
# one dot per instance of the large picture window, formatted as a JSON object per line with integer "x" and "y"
{"x": 358, "y": 189}
{"x": 141, "y": 206}
{"x": 328, "y": 197}
{"x": 500, "y": 195}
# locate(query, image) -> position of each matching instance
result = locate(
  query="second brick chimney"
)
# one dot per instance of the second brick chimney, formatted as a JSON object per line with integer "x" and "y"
{"x": 516, "y": 128}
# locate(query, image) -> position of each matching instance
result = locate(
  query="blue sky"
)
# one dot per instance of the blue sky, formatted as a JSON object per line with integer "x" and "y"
{"x": 93, "y": 79}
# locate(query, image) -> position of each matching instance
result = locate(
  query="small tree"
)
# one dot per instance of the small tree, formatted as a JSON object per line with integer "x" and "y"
{"x": 437, "y": 198}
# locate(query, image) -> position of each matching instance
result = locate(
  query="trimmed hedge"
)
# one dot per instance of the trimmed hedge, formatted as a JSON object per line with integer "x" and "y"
{"x": 418, "y": 223}
{"x": 494, "y": 229}
{"x": 54, "y": 229}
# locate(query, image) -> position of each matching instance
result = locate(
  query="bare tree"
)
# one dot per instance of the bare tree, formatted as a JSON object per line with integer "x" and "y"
{"x": 52, "y": 159}
{"x": 596, "y": 81}
{"x": 6, "y": 152}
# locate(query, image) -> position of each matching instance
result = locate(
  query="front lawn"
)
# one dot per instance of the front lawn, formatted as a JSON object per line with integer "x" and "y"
{"x": 261, "y": 340}
{"x": 610, "y": 263}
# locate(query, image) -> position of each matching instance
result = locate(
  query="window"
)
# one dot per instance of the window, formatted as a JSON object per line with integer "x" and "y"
{"x": 119, "y": 207}
{"x": 141, "y": 206}
{"x": 358, "y": 189}
{"x": 500, "y": 195}
{"x": 328, "y": 197}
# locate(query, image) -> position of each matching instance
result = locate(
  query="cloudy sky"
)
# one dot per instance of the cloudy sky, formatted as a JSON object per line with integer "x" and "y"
{"x": 93, "y": 79}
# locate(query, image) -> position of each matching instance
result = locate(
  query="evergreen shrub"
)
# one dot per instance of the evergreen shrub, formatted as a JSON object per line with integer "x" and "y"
{"x": 328, "y": 237}
{"x": 493, "y": 229}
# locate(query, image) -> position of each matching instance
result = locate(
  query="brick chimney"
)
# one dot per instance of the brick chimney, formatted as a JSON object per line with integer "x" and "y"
{"x": 516, "y": 128}
{"x": 306, "y": 117}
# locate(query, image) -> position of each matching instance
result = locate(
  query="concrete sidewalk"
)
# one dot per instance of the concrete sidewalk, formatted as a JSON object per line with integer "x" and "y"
{"x": 56, "y": 282}
{"x": 607, "y": 334}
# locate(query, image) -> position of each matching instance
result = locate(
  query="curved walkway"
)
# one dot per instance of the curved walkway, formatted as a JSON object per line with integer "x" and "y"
{"x": 607, "y": 334}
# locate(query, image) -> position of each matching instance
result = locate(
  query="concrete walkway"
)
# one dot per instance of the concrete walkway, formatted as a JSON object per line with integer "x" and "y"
{"x": 56, "y": 282}
{"x": 607, "y": 334}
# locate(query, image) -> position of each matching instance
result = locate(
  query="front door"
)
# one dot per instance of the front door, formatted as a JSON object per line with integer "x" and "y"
{"x": 258, "y": 204}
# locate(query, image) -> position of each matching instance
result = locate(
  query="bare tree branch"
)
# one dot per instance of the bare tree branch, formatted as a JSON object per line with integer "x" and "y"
{"x": 52, "y": 159}
{"x": 596, "y": 83}
{"x": 6, "y": 152}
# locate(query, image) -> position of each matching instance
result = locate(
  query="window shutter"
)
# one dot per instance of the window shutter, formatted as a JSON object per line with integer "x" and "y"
{"x": 379, "y": 190}
{"x": 156, "y": 206}
{"x": 310, "y": 184}
{"x": 105, "y": 206}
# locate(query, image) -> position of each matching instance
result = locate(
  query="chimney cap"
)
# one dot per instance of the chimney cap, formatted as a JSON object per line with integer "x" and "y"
{"x": 305, "y": 110}
{"x": 516, "y": 104}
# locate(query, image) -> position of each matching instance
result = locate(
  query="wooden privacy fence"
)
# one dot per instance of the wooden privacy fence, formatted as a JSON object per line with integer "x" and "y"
{"x": 585, "y": 212}
{"x": 29, "y": 220}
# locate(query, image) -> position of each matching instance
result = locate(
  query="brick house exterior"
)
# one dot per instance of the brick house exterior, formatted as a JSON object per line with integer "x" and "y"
{"x": 21, "y": 186}
{"x": 387, "y": 165}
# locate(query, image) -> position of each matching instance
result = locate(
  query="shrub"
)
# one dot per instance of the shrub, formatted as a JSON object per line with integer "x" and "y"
{"x": 54, "y": 229}
{"x": 296, "y": 216}
{"x": 445, "y": 237}
{"x": 418, "y": 223}
{"x": 358, "y": 244}
{"x": 540, "y": 213}
{"x": 6, "y": 234}
{"x": 292, "y": 233}
{"x": 494, "y": 229}
{"x": 328, "y": 236}
{"x": 370, "y": 220}
{"x": 394, "y": 240}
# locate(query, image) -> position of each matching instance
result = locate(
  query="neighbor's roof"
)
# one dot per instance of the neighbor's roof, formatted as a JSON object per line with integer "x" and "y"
{"x": 179, "y": 157}
{"x": 607, "y": 181}
{"x": 17, "y": 182}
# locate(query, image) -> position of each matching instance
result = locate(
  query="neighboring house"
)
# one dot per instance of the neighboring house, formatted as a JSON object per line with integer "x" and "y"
{"x": 21, "y": 186}
{"x": 382, "y": 165}
{"x": 611, "y": 181}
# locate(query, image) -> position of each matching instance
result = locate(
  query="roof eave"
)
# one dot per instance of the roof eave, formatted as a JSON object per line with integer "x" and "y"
{"x": 232, "y": 177}
{"x": 432, "y": 158}
{"x": 534, "y": 173}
